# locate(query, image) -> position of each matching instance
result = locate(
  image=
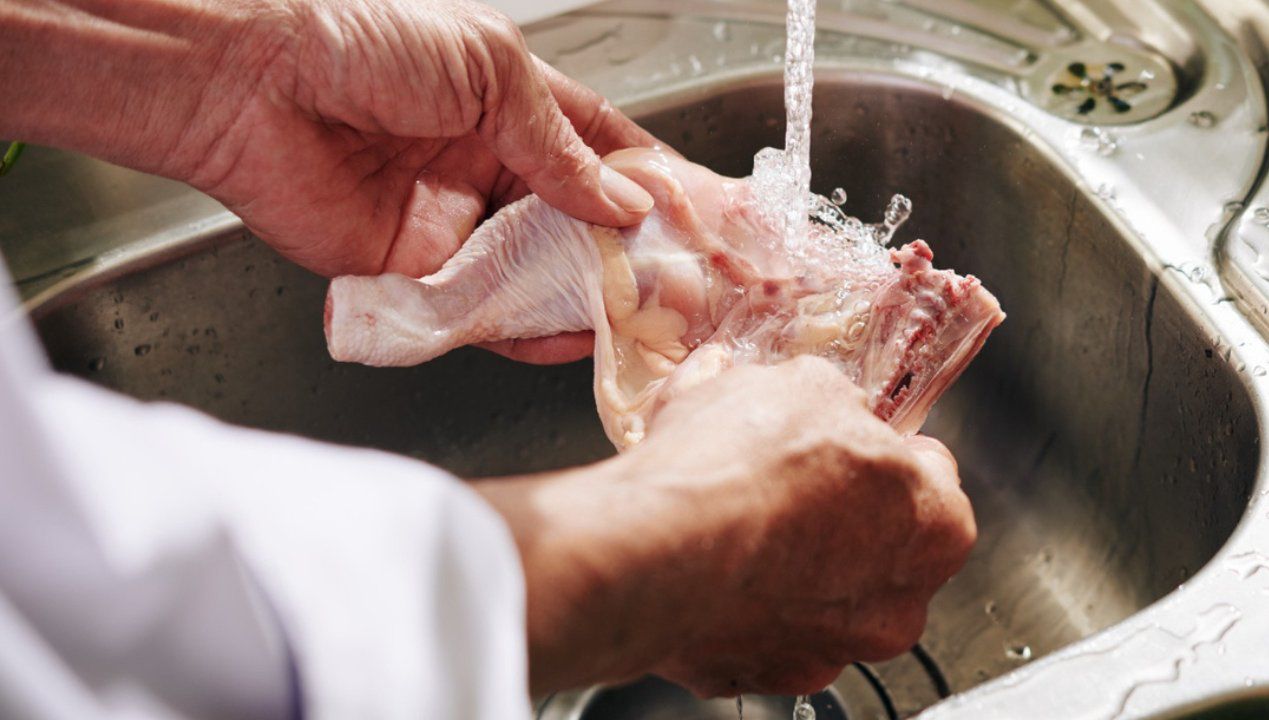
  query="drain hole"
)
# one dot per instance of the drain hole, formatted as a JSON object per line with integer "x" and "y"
{"x": 655, "y": 699}
{"x": 1097, "y": 85}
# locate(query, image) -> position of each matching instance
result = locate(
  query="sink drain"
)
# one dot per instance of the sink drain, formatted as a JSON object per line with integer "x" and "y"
{"x": 892, "y": 691}
{"x": 1102, "y": 84}
{"x": 655, "y": 699}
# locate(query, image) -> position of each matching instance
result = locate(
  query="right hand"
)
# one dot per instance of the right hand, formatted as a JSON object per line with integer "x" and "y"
{"x": 768, "y": 531}
{"x": 842, "y": 529}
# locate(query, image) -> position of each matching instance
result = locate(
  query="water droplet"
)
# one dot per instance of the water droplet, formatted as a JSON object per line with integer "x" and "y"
{"x": 142, "y": 350}
{"x": 96, "y": 364}
{"x": 898, "y": 212}
{"x": 1259, "y": 371}
{"x": 1099, "y": 141}
{"x": 1233, "y": 207}
{"x": 802, "y": 710}
{"x": 1203, "y": 119}
{"x": 838, "y": 197}
{"x": 722, "y": 33}
{"x": 1195, "y": 273}
{"x": 118, "y": 323}
{"x": 740, "y": 707}
{"x": 1018, "y": 651}
{"x": 1261, "y": 215}
{"x": 1106, "y": 191}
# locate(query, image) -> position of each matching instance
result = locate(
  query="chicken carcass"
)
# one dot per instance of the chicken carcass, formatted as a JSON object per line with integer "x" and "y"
{"x": 704, "y": 283}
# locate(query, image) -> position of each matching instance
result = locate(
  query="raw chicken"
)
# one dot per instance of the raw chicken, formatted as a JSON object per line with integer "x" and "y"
{"x": 706, "y": 282}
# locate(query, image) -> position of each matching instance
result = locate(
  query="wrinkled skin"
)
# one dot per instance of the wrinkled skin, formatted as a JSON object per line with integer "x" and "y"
{"x": 798, "y": 535}
{"x": 381, "y": 133}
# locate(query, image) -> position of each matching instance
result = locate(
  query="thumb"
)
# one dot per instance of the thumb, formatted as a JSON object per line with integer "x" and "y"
{"x": 530, "y": 135}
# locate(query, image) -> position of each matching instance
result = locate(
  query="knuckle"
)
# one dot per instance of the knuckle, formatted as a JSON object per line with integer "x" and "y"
{"x": 499, "y": 30}
{"x": 895, "y": 632}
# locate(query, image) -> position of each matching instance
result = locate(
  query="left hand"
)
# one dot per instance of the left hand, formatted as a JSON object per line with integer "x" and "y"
{"x": 379, "y": 133}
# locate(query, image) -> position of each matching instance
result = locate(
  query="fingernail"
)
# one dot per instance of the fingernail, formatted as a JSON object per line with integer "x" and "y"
{"x": 623, "y": 191}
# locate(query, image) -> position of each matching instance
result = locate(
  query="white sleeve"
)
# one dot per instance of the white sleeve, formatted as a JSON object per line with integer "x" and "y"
{"x": 166, "y": 556}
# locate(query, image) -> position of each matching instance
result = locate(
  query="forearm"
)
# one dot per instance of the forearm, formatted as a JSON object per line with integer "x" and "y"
{"x": 616, "y": 569}
{"x": 145, "y": 83}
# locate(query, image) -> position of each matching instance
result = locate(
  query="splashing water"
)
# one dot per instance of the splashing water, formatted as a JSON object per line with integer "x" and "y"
{"x": 814, "y": 228}
{"x": 781, "y": 187}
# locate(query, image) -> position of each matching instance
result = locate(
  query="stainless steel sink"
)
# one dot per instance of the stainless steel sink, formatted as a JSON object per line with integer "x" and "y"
{"x": 1110, "y": 434}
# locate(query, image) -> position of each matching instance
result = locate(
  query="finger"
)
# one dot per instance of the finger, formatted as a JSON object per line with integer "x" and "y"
{"x": 600, "y": 125}
{"x": 448, "y": 199}
{"x": 527, "y": 131}
{"x": 439, "y": 217}
{"x": 555, "y": 350}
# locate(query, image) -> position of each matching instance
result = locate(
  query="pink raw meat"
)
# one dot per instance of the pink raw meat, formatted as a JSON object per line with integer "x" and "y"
{"x": 704, "y": 283}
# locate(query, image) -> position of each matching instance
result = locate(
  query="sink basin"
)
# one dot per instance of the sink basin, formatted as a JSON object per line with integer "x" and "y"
{"x": 1109, "y": 450}
{"x": 1109, "y": 435}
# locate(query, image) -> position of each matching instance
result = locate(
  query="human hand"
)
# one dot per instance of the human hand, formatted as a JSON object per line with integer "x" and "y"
{"x": 767, "y": 532}
{"x": 377, "y": 134}
{"x": 854, "y": 528}
{"x": 382, "y": 133}
{"x": 354, "y": 136}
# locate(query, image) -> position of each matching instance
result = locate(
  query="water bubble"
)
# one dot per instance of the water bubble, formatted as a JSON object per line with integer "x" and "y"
{"x": 1018, "y": 651}
{"x": 142, "y": 350}
{"x": 898, "y": 212}
{"x": 1098, "y": 141}
{"x": 1233, "y": 207}
{"x": 1261, "y": 215}
{"x": 802, "y": 710}
{"x": 1203, "y": 119}
{"x": 1147, "y": 75}
{"x": 838, "y": 197}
